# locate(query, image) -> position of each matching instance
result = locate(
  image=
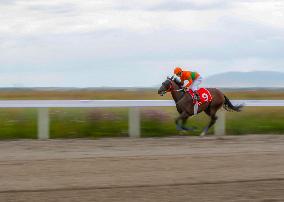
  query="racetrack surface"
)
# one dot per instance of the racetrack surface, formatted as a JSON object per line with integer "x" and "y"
{"x": 229, "y": 168}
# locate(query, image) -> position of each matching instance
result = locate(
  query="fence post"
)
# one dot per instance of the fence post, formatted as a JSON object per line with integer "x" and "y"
{"x": 134, "y": 122}
{"x": 43, "y": 124}
{"x": 220, "y": 126}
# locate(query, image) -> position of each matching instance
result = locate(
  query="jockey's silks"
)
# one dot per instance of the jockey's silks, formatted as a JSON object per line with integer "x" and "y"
{"x": 189, "y": 76}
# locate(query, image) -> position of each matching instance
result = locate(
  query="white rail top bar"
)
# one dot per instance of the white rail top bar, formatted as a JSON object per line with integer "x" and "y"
{"x": 117, "y": 103}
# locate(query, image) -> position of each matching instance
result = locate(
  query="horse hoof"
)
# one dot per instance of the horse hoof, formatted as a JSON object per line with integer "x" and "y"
{"x": 202, "y": 134}
{"x": 189, "y": 129}
{"x": 179, "y": 128}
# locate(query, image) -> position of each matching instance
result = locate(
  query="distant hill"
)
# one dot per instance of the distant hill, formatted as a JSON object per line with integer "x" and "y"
{"x": 253, "y": 79}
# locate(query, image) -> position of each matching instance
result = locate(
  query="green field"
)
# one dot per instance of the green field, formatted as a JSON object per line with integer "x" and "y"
{"x": 156, "y": 122}
{"x": 144, "y": 94}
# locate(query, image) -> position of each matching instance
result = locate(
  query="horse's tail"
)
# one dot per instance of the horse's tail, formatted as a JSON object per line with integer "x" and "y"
{"x": 230, "y": 107}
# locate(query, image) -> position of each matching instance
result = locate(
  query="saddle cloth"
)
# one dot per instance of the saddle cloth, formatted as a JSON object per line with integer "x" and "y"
{"x": 204, "y": 94}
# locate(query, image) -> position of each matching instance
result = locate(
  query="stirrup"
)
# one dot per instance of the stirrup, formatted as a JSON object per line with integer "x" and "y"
{"x": 196, "y": 96}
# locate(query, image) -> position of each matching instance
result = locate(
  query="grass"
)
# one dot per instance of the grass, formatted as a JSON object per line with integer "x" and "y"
{"x": 84, "y": 94}
{"x": 261, "y": 120}
{"x": 157, "y": 122}
{"x": 18, "y": 123}
{"x": 90, "y": 123}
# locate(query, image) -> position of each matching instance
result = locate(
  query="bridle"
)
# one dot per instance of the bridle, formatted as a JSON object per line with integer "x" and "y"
{"x": 171, "y": 88}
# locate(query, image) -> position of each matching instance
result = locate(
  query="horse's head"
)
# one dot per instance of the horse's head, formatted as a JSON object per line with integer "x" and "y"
{"x": 168, "y": 86}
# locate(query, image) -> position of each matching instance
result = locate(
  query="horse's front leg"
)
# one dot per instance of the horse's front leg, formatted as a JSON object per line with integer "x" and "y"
{"x": 178, "y": 124}
{"x": 181, "y": 121}
{"x": 185, "y": 127}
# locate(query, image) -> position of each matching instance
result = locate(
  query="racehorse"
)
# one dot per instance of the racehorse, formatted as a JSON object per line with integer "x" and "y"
{"x": 185, "y": 103}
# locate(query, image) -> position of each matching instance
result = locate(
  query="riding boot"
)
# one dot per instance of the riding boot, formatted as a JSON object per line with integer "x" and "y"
{"x": 195, "y": 109}
{"x": 196, "y": 96}
{"x": 197, "y": 99}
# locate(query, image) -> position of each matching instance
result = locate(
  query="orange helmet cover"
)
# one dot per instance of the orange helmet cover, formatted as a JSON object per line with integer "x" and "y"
{"x": 177, "y": 70}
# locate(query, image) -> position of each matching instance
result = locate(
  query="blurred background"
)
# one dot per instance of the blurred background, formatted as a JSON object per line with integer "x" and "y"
{"x": 122, "y": 49}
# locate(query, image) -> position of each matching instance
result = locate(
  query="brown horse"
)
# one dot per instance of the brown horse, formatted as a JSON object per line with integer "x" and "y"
{"x": 184, "y": 104}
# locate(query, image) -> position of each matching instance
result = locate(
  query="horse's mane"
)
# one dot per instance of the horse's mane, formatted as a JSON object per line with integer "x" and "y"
{"x": 176, "y": 81}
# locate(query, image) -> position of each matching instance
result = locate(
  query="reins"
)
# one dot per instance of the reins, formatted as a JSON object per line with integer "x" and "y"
{"x": 172, "y": 88}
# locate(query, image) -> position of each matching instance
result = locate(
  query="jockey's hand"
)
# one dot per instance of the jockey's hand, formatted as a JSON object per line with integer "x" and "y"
{"x": 185, "y": 89}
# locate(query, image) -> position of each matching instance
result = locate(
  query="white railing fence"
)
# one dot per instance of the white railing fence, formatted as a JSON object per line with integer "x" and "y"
{"x": 133, "y": 105}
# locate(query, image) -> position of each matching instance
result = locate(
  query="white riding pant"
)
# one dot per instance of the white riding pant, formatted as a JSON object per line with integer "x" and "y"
{"x": 195, "y": 85}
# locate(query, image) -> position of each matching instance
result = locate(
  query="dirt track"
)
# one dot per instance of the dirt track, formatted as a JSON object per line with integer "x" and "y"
{"x": 246, "y": 168}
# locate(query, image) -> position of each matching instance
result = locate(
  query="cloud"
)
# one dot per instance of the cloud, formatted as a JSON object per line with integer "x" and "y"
{"x": 82, "y": 40}
{"x": 270, "y": 13}
{"x": 191, "y": 5}
{"x": 167, "y": 5}
{"x": 54, "y": 9}
{"x": 8, "y": 2}
{"x": 29, "y": 18}
{"x": 29, "y": 80}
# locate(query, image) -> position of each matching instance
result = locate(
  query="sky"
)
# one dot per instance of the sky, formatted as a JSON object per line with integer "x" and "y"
{"x": 134, "y": 43}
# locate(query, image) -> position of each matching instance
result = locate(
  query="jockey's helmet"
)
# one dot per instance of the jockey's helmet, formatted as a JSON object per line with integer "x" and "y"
{"x": 177, "y": 71}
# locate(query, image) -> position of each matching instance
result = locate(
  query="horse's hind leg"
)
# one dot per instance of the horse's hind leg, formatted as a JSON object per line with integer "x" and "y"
{"x": 212, "y": 113}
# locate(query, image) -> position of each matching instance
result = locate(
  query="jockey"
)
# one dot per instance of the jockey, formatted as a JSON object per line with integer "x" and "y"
{"x": 189, "y": 80}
